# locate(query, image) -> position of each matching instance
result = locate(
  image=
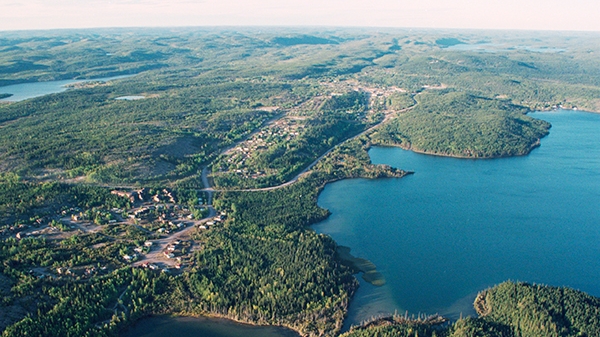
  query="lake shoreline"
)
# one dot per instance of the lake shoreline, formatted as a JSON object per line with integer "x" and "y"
{"x": 28, "y": 90}
{"x": 207, "y": 316}
{"x": 532, "y": 147}
{"x": 11, "y": 82}
{"x": 341, "y": 233}
{"x": 438, "y": 154}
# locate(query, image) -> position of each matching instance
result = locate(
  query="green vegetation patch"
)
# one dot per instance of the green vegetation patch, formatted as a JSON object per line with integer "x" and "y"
{"x": 161, "y": 139}
{"x": 20, "y": 201}
{"x": 459, "y": 124}
{"x": 536, "y": 310}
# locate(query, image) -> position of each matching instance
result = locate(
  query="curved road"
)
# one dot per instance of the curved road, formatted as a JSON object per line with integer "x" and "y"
{"x": 160, "y": 245}
{"x": 210, "y": 190}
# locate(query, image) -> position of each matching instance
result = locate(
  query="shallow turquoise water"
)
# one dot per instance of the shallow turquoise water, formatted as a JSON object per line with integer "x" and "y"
{"x": 458, "y": 226}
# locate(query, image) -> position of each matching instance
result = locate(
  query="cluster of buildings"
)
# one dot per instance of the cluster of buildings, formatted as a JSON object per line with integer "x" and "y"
{"x": 282, "y": 131}
{"x": 79, "y": 272}
{"x": 144, "y": 195}
{"x": 162, "y": 218}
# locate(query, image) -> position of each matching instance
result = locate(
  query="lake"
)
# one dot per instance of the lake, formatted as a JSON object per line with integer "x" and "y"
{"x": 159, "y": 326}
{"x": 25, "y": 91}
{"x": 458, "y": 226}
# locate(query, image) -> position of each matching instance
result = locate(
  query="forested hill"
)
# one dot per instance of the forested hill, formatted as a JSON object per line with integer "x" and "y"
{"x": 458, "y": 124}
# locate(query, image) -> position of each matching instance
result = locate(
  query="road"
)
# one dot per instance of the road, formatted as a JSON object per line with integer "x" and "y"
{"x": 156, "y": 254}
{"x": 388, "y": 116}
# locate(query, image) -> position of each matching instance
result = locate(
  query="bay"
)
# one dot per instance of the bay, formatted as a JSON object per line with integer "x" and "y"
{"x": 458, "y": 226}
{"x": 159, "y": 326}
{"x": 23, "y": 91}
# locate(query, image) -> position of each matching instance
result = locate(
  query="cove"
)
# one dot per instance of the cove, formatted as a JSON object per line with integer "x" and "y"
{"x": 159, "y": 326}
{"x": 23, "y": 91}
{"x": 458, "y": 226}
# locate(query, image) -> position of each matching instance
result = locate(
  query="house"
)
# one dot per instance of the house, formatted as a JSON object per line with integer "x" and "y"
{"x": 168, "y": 194}
{"x": 148, "y": 243}
{"x": 141, "y": 211}
{"x": 129, "y": 195}
{"x": 141, "y": 194}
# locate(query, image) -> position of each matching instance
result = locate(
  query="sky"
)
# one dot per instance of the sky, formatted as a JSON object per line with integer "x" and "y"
{"x": 568, "y": 15}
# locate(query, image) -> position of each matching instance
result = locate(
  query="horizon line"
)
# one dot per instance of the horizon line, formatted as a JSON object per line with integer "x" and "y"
{"x": 314, "y": 27}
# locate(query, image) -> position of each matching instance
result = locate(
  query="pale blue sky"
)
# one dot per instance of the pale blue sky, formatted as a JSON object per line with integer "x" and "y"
{"x": 494, "y": 14}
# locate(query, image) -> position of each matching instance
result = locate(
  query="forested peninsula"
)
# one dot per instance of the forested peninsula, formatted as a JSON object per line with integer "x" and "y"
{"x": 197, "y": 197}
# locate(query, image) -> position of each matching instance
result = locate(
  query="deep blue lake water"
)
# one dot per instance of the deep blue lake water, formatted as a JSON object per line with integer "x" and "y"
{"x": 160, "y": 326}
{"x": 458, "y": 226}
{"x": 25, "y": 91}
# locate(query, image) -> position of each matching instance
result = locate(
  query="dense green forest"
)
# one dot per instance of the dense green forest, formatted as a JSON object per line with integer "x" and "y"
{"x": 463, "y": 125}
{"x": 253, "y": 108}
